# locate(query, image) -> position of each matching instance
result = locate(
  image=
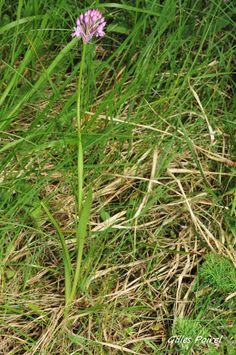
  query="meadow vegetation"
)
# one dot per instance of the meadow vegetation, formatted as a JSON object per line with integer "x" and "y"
{"x": 158, "y": 131}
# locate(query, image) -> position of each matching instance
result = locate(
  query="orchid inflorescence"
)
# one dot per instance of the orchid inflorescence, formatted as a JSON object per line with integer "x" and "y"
{"x": 89, "y": 24}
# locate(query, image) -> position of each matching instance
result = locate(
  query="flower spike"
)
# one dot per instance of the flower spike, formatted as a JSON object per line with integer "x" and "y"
{"x": 89, "y": 24}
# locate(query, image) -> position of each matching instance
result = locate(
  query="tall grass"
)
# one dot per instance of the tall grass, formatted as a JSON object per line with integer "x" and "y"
{"x": 163, "y": 181}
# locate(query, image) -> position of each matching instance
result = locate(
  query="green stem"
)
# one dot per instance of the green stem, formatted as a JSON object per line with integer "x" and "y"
{"x": 80, "y": 167}
{"x": 81, "y": 234}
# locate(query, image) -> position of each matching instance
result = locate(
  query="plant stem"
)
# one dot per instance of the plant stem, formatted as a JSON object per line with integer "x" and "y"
{"x": 80, "y": 166}
{"x": 81, "y": 233}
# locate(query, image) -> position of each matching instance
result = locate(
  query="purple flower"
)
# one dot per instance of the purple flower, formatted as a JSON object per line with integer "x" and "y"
{"x": 89, "y": 24}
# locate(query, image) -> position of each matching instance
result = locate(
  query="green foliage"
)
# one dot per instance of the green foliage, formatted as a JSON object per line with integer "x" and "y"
{"x": 146, "y": 147}
{"x": 190, "y": 328}
{"x": 219, "y": 273}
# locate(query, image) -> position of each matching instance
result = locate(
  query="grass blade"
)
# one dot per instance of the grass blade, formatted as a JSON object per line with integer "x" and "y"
{"x": 66, "y": 256}
{"x": 81, "y": 233}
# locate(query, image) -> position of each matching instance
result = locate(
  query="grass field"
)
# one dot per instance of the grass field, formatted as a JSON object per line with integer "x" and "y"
{"x": 158, "y": 271}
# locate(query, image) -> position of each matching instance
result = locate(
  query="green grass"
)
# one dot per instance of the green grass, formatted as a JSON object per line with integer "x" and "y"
{"x": 219, "y": 273}
{"x": 160, "y": 254}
